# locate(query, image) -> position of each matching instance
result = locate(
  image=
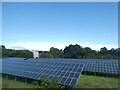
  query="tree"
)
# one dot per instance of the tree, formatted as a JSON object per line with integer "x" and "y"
{"x": 56, "y": 53}
{"x": 2, "y": 46}
{"x": 89, "y": 53}
{"x": 103, "y": 53}
{"x": 73, "y": 51}
{"x": 117, "y": 52}
{"x": 103, "y": 50}
{"x": 46, "y": 54}
{"x": 50, "y": 82}
{"x": 15, "y": 53}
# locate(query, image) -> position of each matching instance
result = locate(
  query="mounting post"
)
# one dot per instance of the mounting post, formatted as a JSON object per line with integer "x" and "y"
{"x": 25, "y": 80}
{"x": 6, "y": 76}
{"x": 15, "y": 78}
{"x": 95, "y": 73}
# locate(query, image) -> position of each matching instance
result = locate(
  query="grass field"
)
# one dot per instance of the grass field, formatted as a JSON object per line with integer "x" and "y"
{"x": 15, "y": 84}
{"x": 85, "y": 81}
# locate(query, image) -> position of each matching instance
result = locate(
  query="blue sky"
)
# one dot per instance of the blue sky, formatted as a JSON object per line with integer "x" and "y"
{"x": 43, "y": 25}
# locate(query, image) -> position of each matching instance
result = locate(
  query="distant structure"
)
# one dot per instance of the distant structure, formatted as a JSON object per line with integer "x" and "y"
{"x": 36, "y": 54}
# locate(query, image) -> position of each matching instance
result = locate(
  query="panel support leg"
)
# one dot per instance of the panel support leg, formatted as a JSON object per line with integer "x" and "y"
{"x": 15, "y": 78}
{"x": 6, "y": 76}
{"x": 106, "y": 75}
{"x": 25, "y": 80}
{"x": 39, "y": 83}
{"x": 85, "y": 73}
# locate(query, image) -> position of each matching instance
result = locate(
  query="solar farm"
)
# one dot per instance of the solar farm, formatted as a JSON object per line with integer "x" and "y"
{"x": 66, "y": 70}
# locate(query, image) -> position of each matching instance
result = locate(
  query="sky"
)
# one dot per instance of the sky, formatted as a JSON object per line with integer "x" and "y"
{"x": 39, "y": 26}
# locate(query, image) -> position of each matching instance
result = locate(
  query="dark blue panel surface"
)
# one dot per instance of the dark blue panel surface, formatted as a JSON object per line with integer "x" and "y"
{"x": 61, "y": 68}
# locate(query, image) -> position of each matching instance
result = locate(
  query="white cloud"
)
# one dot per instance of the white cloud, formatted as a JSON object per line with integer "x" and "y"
{"x": 18, "y": 48}
{"x": 38, "y": 45}
{"x": 45, "y": 46}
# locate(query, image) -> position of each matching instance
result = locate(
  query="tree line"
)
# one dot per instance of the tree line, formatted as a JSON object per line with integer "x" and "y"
{"x": 71, "y": 51}
{"x": 15, "y": 53}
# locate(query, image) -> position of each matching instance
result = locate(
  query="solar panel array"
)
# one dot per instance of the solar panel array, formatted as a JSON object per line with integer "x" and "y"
{"x": 103, "y": 66}
{"x": 66, "y": 70}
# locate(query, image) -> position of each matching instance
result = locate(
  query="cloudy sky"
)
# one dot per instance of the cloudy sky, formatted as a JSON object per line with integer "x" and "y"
{"x": 39, "y": 26}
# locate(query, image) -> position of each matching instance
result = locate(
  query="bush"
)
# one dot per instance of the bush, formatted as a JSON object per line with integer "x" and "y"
{"x": 50, "y": 82}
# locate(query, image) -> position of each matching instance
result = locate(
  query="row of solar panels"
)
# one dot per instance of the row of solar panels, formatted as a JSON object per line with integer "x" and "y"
{"x": 66, "y": 70}
{"x": 104, "y": 66}
{"x": 103, "y": 69}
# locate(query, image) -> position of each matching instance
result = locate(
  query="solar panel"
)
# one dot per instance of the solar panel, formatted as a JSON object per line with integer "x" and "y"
{"x": 103, "y": 66}
{"x": 66, "y": 70}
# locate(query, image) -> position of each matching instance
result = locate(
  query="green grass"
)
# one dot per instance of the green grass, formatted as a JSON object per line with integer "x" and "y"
{"x": 85, "y": 81}
{"x": 16, "y": 84}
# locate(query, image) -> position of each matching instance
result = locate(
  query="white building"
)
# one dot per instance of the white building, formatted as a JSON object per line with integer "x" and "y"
{"x": 36, "y": 54}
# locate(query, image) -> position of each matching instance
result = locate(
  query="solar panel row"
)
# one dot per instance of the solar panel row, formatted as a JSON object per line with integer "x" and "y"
{"x": 103, "y": 66}
{"x": 66, "y": 70}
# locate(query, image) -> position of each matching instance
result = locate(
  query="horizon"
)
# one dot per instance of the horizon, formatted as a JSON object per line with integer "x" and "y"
{"x": 40, "y": 26}
{"x": 22, "y": 48}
